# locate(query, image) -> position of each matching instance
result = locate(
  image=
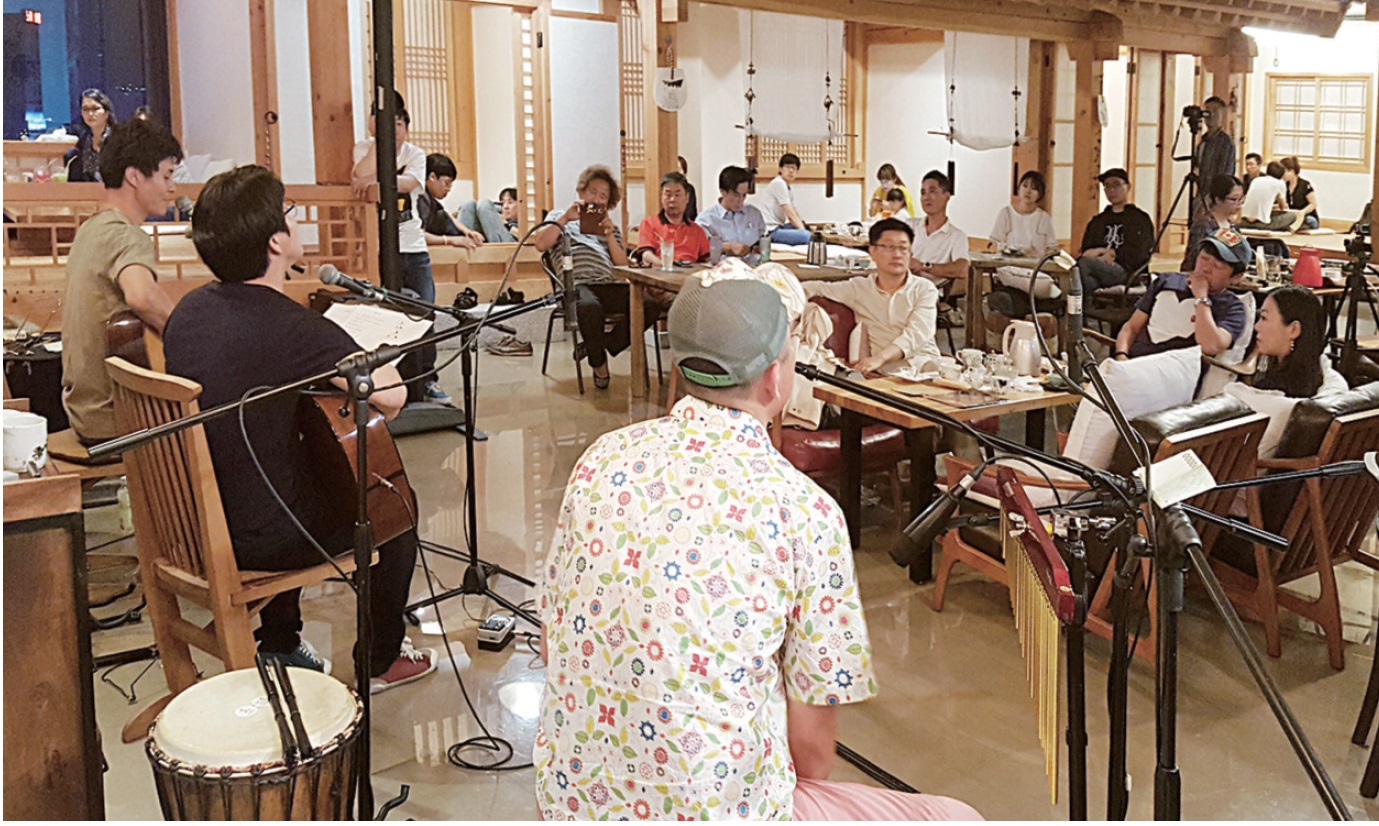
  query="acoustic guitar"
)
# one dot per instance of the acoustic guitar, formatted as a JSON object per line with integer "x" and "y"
{"x": 326, "y": 422}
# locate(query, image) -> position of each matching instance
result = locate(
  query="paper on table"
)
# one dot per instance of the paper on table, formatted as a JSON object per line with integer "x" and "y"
{"x": 371, "y": 326}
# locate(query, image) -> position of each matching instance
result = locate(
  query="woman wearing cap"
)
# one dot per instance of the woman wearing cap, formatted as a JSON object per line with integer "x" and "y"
{"x": 1225, "y": 194}
{"x": 1191, "y": 309}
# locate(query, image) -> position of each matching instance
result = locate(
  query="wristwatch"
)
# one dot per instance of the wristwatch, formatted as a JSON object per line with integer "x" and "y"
{"x": 1206, "y": 301}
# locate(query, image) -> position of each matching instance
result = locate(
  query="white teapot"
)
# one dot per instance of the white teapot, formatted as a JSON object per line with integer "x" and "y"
{"x": 1021, "y": 344}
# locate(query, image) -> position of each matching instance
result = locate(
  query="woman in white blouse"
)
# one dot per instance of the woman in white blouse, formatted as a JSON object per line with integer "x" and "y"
{"x": 1021, "y": 224}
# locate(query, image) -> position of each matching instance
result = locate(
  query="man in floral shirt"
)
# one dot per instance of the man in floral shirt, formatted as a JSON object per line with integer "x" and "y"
{"x": 702, "y": 619}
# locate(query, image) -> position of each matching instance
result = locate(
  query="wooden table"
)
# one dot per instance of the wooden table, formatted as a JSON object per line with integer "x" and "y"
{"x": 1330, "y": 294}
{"x": 1331, "y": 246}
{"x": 987, "y": 263}
{"x": 640, "y": 279}
{"x": 843, "y": 239}
{"x": 919, "y": 439}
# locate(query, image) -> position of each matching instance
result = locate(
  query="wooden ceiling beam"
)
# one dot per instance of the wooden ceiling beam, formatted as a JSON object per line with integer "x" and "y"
{"x": 995, "y": 17}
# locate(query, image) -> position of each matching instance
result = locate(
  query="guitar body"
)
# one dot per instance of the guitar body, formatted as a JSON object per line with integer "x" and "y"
{"x": 331, "y": 439}
{"x": 126, "y": 336}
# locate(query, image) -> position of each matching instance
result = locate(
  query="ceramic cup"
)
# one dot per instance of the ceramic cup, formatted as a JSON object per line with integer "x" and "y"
{"x": 25, "y": 441}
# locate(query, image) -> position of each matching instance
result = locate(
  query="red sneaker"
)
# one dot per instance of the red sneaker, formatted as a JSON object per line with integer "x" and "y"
{"x": 411, "y": 664}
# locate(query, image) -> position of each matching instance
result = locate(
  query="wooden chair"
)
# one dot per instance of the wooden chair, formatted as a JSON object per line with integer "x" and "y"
{"x": 183, "y": 542}
{"x": 1228, "y": 449}
{"x": 1326, "y": 525}
{"x": 576, "y": 344}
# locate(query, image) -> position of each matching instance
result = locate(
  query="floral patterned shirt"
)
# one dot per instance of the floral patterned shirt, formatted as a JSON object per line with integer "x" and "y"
{"x": 695, "y": 578}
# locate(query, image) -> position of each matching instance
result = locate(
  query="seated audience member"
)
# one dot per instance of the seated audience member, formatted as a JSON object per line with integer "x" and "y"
{"x": 1267, "y": 193}
{"x": 1186, "y": 309}
{"x": 737, "y": 223}
{"x": 780, "y": 646}
{"x": 895, "y": 205}
{"x": 111, "y": 269}
{"x": 1224, "y": 194}
{"x": 229, "y": 336}
{"x": 1302, "y": 198}
{"x": 692, "y": 207}
{"x": 898, "y": 311}
{"x": 672, "y": 224}
{"x": 1119, "y": 241}
{"x": 888, "y": 179}
{"x": 939, "y": 252}
{"x": 97, "y": 119}
{"x": 439, "y": 227}
{"x": 1253, "y": 162}
{"x": 507, "y": 207}
{"x": 597, "y": 290}
{"x": 1021, "y": 224}
{"x": 783, "y": 221}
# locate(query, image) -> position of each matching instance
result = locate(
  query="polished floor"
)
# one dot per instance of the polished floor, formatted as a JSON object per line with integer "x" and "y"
{"x": 953, "y": 716}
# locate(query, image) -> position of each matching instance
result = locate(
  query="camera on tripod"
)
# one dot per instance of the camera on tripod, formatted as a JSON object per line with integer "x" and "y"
{"x": 1192, "y": 113}
{"x": 1361, "y": 232}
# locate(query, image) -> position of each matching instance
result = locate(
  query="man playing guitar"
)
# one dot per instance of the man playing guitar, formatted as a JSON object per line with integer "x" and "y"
{"x": 242, "y": 332}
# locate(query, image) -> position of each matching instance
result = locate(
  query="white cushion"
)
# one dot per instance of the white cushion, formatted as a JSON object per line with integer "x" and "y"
{"x": 1271, "y": 403}
{"x": 1143, "y": 385}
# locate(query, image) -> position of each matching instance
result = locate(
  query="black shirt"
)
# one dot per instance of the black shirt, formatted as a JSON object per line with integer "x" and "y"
{"x": 1130, "y": 233}
{"x": 434, "y": 218}
{"x": 231, "y": 338}
{"x": 1297, "y": 199}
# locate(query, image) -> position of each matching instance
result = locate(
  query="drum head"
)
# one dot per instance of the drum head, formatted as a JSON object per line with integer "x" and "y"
{"x": 227, "y": 721}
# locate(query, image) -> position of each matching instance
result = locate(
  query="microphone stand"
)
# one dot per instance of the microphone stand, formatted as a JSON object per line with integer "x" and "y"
{"x": 1176, "y": 547}
{"x": 356, "y": 370}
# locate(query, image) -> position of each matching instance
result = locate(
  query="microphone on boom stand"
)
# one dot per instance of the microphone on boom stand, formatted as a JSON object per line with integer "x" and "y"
{"x": 927, "y": 527}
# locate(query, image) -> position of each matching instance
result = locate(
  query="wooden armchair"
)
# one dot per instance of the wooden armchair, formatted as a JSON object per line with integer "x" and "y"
{"x": 1227, "y": 448}
{"x": 183, "y": 542}
{"x": 1325, "y": 526}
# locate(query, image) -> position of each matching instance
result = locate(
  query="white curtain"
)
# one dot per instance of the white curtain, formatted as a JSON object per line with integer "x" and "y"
{"x": 983, "y": 71}
{"x": 791, "y": 54}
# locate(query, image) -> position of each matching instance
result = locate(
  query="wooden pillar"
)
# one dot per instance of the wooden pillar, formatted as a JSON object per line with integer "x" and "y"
{"x": 1086, "y": 191}
{"x": 332, "y": 103}
{"x": 1036, "y": 151}
{"x": 459, "y": 49}
{"x": 174, "y": 74}
{"x": 1372, "y": 13}
{"x": 660, "y": 129}
{"x": 263, "y": 56}
{"x": 1169, "y": 180}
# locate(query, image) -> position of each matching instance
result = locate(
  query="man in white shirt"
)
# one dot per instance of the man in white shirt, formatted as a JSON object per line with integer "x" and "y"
{"x": 1267, "y": 192}
{"x": 777, "y": 201}
{"x": 738, "y": 224}
{"x": 898, "y": 311}
{"x": 940, "y": 249}
{"x": 411, "y": 240}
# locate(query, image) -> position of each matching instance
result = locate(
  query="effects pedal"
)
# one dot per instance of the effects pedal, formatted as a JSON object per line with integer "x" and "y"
{"x": 496, "y": 632}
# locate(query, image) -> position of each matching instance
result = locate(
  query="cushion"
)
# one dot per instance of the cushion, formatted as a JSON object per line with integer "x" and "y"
{"x": 819, "y": 451}
{"x": 1159, "y": 425}
{"x": 1272, "y": 403}
{"x": 844, "y": 320}
{"x": 1144, "y": 385}
{"x": 1312, "y": 417}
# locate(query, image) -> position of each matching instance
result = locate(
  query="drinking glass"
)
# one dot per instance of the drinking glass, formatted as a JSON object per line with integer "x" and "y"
{"x": 667, "y": 255}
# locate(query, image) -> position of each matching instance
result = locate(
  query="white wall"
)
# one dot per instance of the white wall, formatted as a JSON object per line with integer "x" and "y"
{"x": 497, "y": 124}
{"x": 1354, "y": 50}
{"x": 296, "y": 144}
{"x": 217, "y": 90}
{"x": 1114, "y": 91}
{"x": 906, "y": 100}
{"x": 584, "y": 101}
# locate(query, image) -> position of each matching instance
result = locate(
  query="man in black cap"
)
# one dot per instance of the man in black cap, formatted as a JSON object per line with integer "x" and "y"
{"x": 1186, "y": 309}
{"x": 1119, "y": 240}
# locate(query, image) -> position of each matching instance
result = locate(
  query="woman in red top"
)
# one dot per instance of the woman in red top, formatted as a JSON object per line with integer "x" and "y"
{"x": 691, "y": 244}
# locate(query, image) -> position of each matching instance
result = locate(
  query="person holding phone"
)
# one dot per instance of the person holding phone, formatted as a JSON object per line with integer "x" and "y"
{"x": 595, "y": 244}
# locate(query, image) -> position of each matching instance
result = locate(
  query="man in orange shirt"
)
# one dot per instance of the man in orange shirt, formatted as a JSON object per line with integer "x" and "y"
{"x": 691, "y": 243}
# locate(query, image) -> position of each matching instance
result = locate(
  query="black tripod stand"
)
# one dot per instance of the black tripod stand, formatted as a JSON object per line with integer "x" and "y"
{"x": 1356, "y": 287}
{"x": 1189, "y": 184}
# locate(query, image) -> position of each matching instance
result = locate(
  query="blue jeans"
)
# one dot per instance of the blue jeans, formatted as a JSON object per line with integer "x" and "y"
{"x": 419, "y": 282}
{"x": 1310, "y": 221}
{"x": 1097, "y": 274}
{"x": 792, "y": 236}
{"x": 484, "y": 216}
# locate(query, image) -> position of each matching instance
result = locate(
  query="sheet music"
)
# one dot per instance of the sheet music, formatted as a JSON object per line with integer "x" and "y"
{"x": 372, "y": 326}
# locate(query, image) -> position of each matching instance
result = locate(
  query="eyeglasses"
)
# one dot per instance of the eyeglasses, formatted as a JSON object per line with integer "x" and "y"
{"x": 288, "y": 206}
{"x": 92, "y": 110}
{"x": 893, "y": 249}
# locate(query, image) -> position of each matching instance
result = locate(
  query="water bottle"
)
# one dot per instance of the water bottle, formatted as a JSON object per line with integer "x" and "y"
{"x": 764, "y": 248}
{"x": 715, "y": 248}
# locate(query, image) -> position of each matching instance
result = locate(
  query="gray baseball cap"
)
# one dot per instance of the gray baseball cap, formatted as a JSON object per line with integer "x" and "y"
{"x": 738, "y": 325}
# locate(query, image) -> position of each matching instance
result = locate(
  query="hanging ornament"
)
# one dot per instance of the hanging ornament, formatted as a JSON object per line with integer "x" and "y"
{"x": 669, "y": 91}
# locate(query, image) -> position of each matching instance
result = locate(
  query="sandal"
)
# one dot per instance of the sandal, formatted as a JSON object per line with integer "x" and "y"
{"x": 601, "y": 382}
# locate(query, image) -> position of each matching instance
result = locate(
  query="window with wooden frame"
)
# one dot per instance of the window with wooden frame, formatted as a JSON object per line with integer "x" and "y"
{"x": 432, "y": 38}
{"x": 845, "y": 150}
{"x": 1321, "y": 119}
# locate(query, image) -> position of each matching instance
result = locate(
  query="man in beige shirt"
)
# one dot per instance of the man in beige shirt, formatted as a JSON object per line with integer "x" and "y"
{"x": 110, "y": 269}
{"x": 897, "y": 310}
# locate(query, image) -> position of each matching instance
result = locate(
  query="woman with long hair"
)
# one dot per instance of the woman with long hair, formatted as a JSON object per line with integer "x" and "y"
{"x": 1225, "y": 194}
{"x": 1291, "y": 335}
{"x": 97, "y": 118}
{"x": 887, "y": 179}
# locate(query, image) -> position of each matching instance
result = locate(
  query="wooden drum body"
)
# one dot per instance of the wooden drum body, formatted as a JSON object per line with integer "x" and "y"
{"x": 216, "y": 752}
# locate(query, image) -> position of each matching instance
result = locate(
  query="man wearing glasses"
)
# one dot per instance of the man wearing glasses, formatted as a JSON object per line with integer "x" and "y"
{"x": 896, "y": 310}
{"x": 1117, "y": 242}
{"x": 738, "y": 224}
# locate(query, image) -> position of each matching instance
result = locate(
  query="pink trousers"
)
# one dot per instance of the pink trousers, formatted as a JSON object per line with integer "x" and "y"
{"x": 827, "y": 800}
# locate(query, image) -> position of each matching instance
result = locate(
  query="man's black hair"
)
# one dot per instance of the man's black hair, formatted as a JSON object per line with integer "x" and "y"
{"x": 512, "y": 191}
{"x": 440, "y": 166}
{"x": 237, "y": 214}
{"x": 1273, "y": 170}
{"x": 1255, "y": 155}
{"x": 140, "y": 143}
{"x": 732, "y": 177}
{"x": 790, "y": 159}
{"x": 938, "y": 178}
{"x": 889, "y": 225}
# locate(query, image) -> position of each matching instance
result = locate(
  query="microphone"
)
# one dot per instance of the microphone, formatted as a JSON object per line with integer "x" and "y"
{"x": 567, "y": 283}
{"x": 332, "y": 276}
{"x": 1074, "y": 343}
{"x": 184, "y": 205}
{"x": 926, "y": 527}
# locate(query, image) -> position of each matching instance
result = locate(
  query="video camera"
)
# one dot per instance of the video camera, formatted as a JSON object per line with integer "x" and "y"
{"x": 1362, "y": 230}
{"x": 1192, "y": 113}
